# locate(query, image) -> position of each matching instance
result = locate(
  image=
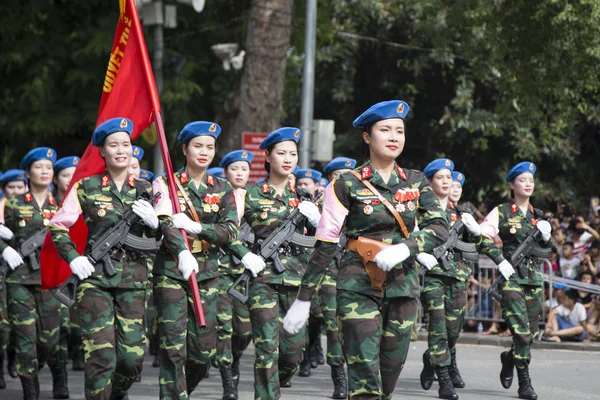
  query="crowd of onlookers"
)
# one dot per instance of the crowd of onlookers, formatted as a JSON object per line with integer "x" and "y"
{"x": 571, "y": 313}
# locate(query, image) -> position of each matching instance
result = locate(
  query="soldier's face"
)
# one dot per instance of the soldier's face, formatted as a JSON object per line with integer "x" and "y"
{"x": 455, "y": 191}
{"x": 134, "y": 167}
{"x": 63, "y": 179}
{"x": 40, "y": 173}
{"x": 523, "y": 185}
{"x": 238, "y": 173}
{"x": 307, "y": 184}
{"x": 283, "y": 158}
{"x": 200, "y": 151}
{"x": 117, "y": 150}
{"x": 336, "y": 173}
{"x": 386, "y": 140}
{"x": 440, "y": 183}
{"x": 14, "y": 188}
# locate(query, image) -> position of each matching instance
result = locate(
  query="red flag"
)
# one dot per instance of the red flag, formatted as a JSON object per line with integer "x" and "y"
{"x": 129, "y": 91}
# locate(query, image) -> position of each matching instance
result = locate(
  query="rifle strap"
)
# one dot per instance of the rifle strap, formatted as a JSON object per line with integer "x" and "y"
{"x": 189, "y": 203}
{"x": 385, "y": 202}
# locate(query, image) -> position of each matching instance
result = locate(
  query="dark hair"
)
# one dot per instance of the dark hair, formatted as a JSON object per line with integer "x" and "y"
{"x": 568, "y": 244}
{"x": 572, "y": 294}
{"x": 366, "y": 150}
{"x": 586, "y": 272}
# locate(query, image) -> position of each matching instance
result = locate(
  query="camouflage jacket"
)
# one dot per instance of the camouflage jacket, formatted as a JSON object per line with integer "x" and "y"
{"x": 226, "y": 264}
{"x": 349, "y": 204}
{"x": 263, "y": 211}
{"x": 214, "y": 203}
{"x": 508, "y": 221}
{"x": 25, "y": 217}
{"x": 102, "y": 205}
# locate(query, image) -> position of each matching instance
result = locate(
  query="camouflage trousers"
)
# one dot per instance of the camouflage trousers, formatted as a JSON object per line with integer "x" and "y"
{"x": 234, "y": 331}
{"x": 60, "y": 355}
{"x": 185, "y": 350}
{"x": 113, "y": 333}
{"x": 34, "y": 317}
{"x": 375, "y": 335}
{"x": 75, "y": 330}
{"x": 444, "y": 302}
{"x": 326, "y": 311}
{"x": 277, "y": 353}
{"x": 4, "y": 322}
{"x": 521, "y": 309}
{"x": 151, "y": 327}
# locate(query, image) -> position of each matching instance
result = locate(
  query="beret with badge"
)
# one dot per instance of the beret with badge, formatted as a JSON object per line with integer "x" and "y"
{"x": 109, "y": 127}
{"x": 39, "y": 153}
{"x": 380, "y": 111}
{"x": 436, "y": 165}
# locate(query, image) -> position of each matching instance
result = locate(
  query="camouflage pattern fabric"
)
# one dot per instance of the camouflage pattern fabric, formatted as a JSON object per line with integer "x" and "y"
{"x": 327, "y": 297}
{"x": 4, "y": 322}
{"x": 59, "y": 357}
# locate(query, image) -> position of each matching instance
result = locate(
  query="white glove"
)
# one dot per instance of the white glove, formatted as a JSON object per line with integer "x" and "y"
{"x": 427, "y": 260}
{"x": 296, "y": 317}
{"x": 253, "y": 263}
{"x": 82, "y": 267}
{"x": 145, "y": 211}
{"x": 182, "y": 221}
{"x": 311, "y": 212}
{"x": 545, "y": 228}
{"x": 187, "y": 263}
{"x": 392, "y": 256}
{"x": 12, "y": 258}
{"x": 5, "y": 233}
{"x": 506, "y": 269}
{"x": 470, "y": 224}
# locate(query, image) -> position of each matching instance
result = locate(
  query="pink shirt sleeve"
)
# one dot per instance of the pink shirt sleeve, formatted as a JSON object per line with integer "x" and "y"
{"x": 489, "y": 226}
{"x": 240, "y": 199}
{"x": 70, "y": 211}
{"x": 2, "y": 202}
{"x": 333, "y": 217}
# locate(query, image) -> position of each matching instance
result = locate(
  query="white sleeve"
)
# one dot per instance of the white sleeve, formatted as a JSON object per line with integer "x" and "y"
{"x": 489, "y": 226}
{"x": 162, "y": 204}
{"x": 580, "y": 312}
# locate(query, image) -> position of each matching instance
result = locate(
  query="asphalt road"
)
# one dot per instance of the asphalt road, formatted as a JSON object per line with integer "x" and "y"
{"x": 556, "y": 374}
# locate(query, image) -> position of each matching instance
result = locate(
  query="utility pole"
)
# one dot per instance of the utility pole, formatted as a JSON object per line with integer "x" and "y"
{"x": 157, "y": 66}
{"x": 308, "y": 83}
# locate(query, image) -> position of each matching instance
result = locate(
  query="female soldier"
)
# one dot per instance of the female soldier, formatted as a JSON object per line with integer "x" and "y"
{"x": 111, "y": 307}
{"x": 456, "y": 187}
{"x": 377, "y": 300}
{"x": 134, "y": 163}
{"x": 63, "y": 172}
{"x": 521, "y": 293}
{"x": 278, "y": 353}
{"x": 444, "y": 293}
{"x": 34, "y": 314}
{"x": 209, "y": 216}
{"x": 234, "y": 329}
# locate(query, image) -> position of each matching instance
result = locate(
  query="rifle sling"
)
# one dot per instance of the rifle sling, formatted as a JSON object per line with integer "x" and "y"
{"x": 196, "y": 245}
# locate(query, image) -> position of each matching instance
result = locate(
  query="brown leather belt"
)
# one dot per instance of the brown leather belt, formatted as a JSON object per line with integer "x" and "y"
{"x": 352, "y": 245}
{"x": 197, "y": 245}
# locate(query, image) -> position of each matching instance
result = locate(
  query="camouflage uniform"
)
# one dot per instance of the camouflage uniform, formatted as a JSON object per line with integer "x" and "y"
{"x": 111, "y": 309}
{"x": 375, "y": 325}
{"x": 186, "y": 350}
{"x": 521, "y": 295}
{"x": 4, "y": 321}
{"x": 277, "y": 353}
{"x": 444, "y": 301}
{"x": 34, "y": 314}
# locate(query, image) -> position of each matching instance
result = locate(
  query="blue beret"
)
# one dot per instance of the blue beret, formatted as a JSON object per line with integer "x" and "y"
{"x": 13, "y": 175}
{"x": 308, "y": 173}
{"x": 458, "y": 177}
{"x": 436, "y": 165}
{"x": 236, "y": 155}
{"x": 216, "y": 171}
{"x": 520, "y": 168}
{"x": 198, "y": 128}
{"x": 296, "y": 169}
{"x": 281, "y": 135}
{"x": 181, "y": 169}
{"x": 384, "y": 110}
{"x": 559, "y": 285}
{"x": 147, "y": 175}
{"x": 323, "y": 182}
{"x": 66, "y": 162}
{"x": 109, "y": 127}
{"x": 339, "y": 163}
{"x": 39, "y": 153}
{"x": 138, "y": 152}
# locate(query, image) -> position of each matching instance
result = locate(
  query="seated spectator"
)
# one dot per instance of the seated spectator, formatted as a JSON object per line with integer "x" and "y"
{"x": 554, "y": 262}
{"x": 555, "y": 222}
{"x": 559, "y": 236}
{"x": 558, "y": 292}
{"x": 581, "y": 234}
{"x": 568, "y": 320}
{"x": 585, "y": 297}
{"x": 593, "y": 257}
{"x": 569, "y": 264}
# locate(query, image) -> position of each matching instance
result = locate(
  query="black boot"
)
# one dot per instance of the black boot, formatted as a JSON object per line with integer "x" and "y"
{"x": 156, "y": 361}
{"x": 60, "y": 387}
{"x": 340, "y": 384}
{"x": 305, "y": 366}
{"x": 285, "y": 380}
{"x": 78, "y": 358}
{"x": 312, "y": 355}
{"x": 229, "y": 386}
{"x": 446, "y": 390}
{"x": 2, "y": 382}
{"x": 29, "y": 387}
{"x": 457, "y": 380}
{"x": 235, "y": 369}
{"x": 11, "y": 366}
{"x": 319, "y": 351}
{"x": 428, "y": 373}
{"x": 525, "y": 389}
{"x": 508, "y": 366}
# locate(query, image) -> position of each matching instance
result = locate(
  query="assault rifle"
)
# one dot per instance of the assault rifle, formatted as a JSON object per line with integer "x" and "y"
{"x": 526, "y": 252}
{"x": 443, "y": 252}
{"x": 104, "y": 249}
{"x": 270, "y": 248}
{"x": 28, "y": 249}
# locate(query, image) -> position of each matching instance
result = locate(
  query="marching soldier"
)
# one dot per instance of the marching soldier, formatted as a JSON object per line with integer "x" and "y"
{"x": 377, "y": 286}
{"x": 112, "y": 307}
{"x": 209, "y": 216}
{"x": 33, "y": 313}
{"x": 134, "y": 164}
{"x": 456, "y": 187}
{"x": 521, "y": 293}
{"x": 146, "y": 175}
{"x": 234, "y": 328}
